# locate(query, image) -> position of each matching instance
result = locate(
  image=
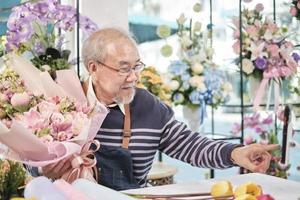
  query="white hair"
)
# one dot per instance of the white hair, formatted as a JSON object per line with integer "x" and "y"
{"x": 95, "y": 46}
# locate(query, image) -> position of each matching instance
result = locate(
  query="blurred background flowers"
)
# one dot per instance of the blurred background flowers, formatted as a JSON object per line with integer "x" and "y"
{"x": 39, "y": 28}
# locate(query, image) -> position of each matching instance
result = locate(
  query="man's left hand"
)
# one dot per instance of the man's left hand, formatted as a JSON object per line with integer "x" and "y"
{"x": 254, "y": 157}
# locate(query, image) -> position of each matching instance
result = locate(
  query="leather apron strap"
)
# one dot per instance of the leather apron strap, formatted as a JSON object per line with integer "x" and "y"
{"x": 127, "y": 128}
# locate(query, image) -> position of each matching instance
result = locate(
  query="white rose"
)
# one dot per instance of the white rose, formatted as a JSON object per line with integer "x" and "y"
{"x": 268, "y": 35}
{"x": 209, "y": 52}
{"x": 46, "y": 68}
{"x": 195, "y": 81}
{"x": 181, "y": 19}
{"x": 202, "y": 56}
{"x": 197, "y": 68}
{"x": 201, "y": 87}
{"x": 174, "y": 85}
{"x": 247, "y": 66}
{"x": 227, "y": 87}
{"x": 197, "y": 26}
{"x": 186, "y": 41}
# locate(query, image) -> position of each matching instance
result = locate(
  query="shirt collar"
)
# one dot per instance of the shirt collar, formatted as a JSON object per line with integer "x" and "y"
{"x": 92, "y": 99}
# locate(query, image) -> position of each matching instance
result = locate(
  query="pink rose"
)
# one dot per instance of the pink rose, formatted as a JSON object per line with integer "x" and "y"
{"x": 20, "y": 100}
{"x": 293, "y": 11}
{"x": 265, "y": 197}
{"x": 236, "y": 47}
{"x": 248, "y": 139}
{"x": 63, "y": 136}
{"x": 236, "y": 34}
{"x": 298, "y": 4}
{"x": 259, "y": 7}
{"x": 273, "y": 49}
{"x": 33, "y": 120}
{"x": 252, "y": 31}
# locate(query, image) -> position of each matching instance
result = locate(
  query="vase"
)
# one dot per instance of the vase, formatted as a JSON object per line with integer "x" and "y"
{"x": 192, "y": 117}
{"x": 253, "y": 87}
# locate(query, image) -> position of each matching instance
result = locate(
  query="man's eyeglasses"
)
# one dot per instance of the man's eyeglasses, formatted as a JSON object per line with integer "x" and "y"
{"x": 125, "y": 69}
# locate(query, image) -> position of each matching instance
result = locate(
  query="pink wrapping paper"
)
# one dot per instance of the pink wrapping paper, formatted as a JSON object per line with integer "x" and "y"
{"x": 25, "y": 147}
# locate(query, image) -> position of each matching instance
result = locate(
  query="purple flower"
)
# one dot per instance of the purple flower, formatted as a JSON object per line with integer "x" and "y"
{"x": 296, "y": 57}
{"x": 87, "y": 25}
{"x": 261, "y": 63}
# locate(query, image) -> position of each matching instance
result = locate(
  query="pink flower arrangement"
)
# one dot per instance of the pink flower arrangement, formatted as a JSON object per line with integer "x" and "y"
{"x": 263, "y": 134}
{"x": 295, "y": 9}
{"x": 266, "y": 51}
{"x": 57, "y": 119}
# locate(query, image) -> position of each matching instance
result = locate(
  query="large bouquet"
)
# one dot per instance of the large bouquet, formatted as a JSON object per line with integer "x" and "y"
{"x": 43, "y": 121}
{"x": 195, "y": 79}
{"x": 39, "y": 28}
{"x": 262, "y": 132}
{"x": 154, "y": 83}
{"x": 266, "y": 52}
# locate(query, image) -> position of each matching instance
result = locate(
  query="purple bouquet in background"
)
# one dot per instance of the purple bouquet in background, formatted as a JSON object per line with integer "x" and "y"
{"x": 266, "y": 51}
{"x": 39, "y": 28}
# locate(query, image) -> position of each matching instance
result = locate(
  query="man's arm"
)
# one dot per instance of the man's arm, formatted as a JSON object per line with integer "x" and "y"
{"x": 181, "y": 143}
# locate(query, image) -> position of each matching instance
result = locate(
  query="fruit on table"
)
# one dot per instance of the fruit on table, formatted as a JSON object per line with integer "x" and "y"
{"x": 248, "y": 188}
{"x": 222, "y": 188}
{"x": 245, "y": 197}
{"x": 265, "y": 197}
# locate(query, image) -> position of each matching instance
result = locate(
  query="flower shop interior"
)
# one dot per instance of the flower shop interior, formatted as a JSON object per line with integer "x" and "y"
{"x": 228, "y": 69}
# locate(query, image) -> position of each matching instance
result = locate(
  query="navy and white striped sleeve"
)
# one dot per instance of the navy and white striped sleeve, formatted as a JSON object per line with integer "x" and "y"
{"x": 181, "y": 143}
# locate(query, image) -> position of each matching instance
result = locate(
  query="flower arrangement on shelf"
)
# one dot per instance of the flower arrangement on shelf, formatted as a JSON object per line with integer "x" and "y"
{"x": 266, "y": 52}
{"x": 195, "y": 79}
{"x": 151, "y": 80}
{"x": 39, "y": 28}
{"x": 295, "y": 9}
{"x": 12, "y": 178}
{"x": 262, "y": 132}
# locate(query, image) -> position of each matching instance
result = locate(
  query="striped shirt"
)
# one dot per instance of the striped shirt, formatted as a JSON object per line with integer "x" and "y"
{"x": 154, "y": 128}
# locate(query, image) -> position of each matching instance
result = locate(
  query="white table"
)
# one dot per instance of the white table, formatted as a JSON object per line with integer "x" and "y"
{"x": 280, "y": 189}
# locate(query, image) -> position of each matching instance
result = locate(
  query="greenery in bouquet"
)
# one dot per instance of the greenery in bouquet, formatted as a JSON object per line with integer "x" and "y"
{"x": 262, "y": 132}
{"x": 12, "y": 179}
{"x": 50, "y": 119}
{"x": 14, "y": 99}
{"x": 195, "y": 79}
{"x": 151, "y": 80}
{"x": 40, "y": 28}
{"x": 265, "y": 48}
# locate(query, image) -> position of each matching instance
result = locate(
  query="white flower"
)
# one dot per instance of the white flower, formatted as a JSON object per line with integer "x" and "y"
{"x": 202, "y": 56}
{"x": 197, "y": 68}
{"x": 186, "y": 41}
{"x": 181, "y": 19}
{"x": 209, "y": 52}
{"x": 46, "y": 68}
{"x": 247, "y": 66}
{"x": 197, "y": 26}
{"x": 201, "y": 87}
{"x": 227, "y": 87}
{"x": 197, "y": 82}
{"x": 268, "y": 35}
{"x": 174, "y": 85}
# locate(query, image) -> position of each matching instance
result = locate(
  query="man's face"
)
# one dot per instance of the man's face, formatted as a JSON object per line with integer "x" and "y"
{"x": 108, "y": 81}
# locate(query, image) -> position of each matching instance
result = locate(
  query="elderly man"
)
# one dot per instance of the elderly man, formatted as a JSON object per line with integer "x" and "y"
{"x": 138, "y": 124}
